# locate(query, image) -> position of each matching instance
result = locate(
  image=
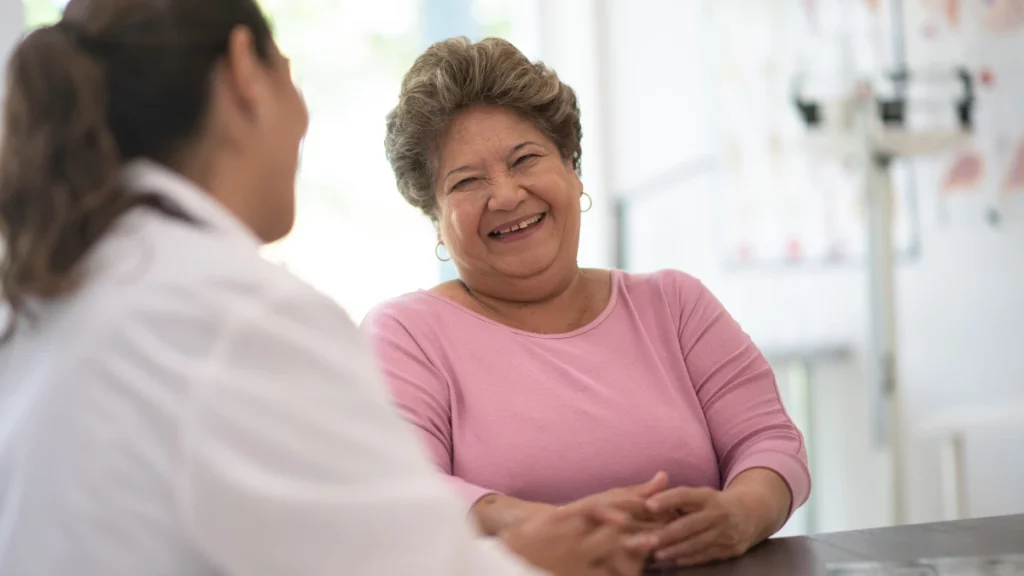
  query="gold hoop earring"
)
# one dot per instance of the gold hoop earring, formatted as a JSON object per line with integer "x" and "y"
{"x": 437, "y": 253}
{"x": 590, "y": 202}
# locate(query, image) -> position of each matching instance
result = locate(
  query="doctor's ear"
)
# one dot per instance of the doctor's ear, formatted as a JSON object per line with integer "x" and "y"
{"x": 244, "y": 74}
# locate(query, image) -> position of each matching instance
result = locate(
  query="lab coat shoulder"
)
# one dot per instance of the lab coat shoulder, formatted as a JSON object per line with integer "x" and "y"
{"x": 159, "y": 270}
{"x": 221, "y": 308}
{"x": 171, "y": 266}
{"x": 290, "y": 458}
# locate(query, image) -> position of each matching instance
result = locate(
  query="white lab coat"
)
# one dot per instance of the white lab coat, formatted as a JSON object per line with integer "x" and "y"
{"x": 194, "y": 410}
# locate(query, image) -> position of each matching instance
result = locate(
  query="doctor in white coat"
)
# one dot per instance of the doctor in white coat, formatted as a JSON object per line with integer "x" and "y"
{"x": 170, "y": 403}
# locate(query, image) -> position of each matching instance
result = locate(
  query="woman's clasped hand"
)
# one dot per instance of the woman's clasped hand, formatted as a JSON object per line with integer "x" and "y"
{"x": 683, "y": 526}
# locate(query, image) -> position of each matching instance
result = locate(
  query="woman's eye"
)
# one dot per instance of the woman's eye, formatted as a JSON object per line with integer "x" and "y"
{"x": 524, "y": 158}
{"x": 463, "y": 183}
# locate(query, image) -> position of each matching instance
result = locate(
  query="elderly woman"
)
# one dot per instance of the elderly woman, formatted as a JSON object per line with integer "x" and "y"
{"x": 536, "y": 383}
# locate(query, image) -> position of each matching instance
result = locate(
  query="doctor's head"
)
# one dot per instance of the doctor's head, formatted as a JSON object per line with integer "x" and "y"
{"x": 198, "y": 85}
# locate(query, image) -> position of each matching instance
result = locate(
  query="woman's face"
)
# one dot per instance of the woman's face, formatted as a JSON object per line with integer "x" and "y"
{"x": 508, "y": 203}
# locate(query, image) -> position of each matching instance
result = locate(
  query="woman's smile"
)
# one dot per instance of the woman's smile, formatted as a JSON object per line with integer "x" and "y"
{"x": 516, "y": 230}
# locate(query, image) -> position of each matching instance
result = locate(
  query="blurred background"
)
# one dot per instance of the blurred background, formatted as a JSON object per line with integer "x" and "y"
{"x": 696, "y": 159}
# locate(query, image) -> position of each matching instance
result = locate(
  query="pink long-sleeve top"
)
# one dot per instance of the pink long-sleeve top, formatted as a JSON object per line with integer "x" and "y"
{"x": 664, "y": 379}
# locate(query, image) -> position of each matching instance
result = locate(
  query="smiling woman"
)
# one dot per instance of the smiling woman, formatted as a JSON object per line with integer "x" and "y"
{"x": 537, "y": 383}
{"x": 508, "y": 207}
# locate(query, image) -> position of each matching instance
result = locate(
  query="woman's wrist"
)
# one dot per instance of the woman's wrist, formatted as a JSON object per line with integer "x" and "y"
{"x": 766, "y": 498}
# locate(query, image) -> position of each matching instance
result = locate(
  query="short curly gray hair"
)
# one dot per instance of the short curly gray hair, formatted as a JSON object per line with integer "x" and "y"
{"x": 455, "y": 74}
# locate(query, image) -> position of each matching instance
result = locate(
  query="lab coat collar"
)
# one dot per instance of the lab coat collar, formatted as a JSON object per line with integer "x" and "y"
{"x": 143, "y": 175}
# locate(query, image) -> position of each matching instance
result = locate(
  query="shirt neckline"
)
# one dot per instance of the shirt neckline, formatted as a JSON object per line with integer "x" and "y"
{"x": 616, "y": 280}
{"x": 147, "y": 176}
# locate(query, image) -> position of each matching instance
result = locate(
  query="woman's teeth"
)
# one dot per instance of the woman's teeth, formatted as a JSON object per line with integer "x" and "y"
{"x": 524, "y": 224}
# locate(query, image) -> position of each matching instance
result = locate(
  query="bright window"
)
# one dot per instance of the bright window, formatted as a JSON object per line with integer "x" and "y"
{"x": 42, "y": 12}
{"x": 355, "y": 238}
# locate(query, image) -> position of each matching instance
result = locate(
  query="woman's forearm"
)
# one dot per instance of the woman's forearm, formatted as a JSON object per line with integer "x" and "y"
{"x": 766, "y": 495}
{"x": 494, "y": 513}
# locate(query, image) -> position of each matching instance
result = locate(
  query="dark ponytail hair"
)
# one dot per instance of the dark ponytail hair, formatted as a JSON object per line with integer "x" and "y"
{"x": 114, "y": 80}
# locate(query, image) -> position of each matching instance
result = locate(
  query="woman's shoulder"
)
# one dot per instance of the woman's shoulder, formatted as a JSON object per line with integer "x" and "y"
{"x": 667, "y": 295}
{"x": 406, "y": 308}
{"x": 671, "y": 292}
{"x": 675, "y": 284}
{"x": 412, "y": 312}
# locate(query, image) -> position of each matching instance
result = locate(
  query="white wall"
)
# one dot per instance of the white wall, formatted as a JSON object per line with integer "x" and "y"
{"x": 11, "y": 28}
{"x": 961, "y": 305}
{"x": 568, "y": 42}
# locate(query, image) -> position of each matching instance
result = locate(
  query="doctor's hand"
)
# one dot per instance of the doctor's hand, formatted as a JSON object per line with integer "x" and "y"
{"x": 710, "y": 526}
{"x": 580, "y": 541}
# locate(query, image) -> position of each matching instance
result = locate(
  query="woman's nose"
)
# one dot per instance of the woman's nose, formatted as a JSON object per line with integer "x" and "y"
{"x": 506, "y": 195}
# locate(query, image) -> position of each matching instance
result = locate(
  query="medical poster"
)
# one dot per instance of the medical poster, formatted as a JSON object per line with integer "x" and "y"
{"x": 984, "y": 179}
{"x": 785, "y": 201}
{"x": 786, "y": 204}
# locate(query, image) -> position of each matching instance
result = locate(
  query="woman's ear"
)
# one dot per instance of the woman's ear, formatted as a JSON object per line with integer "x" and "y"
{"x": 577, "y": 181}
{"x": 435, "y": 217}
{"x": 437, "y": 228}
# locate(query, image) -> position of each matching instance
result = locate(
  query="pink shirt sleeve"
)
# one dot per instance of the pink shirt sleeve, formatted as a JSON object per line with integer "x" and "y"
{"x": 736, "y": 388}
{"x": 420, "y": 392}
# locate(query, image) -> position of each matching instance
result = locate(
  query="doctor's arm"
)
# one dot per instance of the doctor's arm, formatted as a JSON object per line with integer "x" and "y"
{"x": 292, "y": 463}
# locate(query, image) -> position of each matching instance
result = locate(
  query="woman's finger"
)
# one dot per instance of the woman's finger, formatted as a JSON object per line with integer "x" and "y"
{"x": 641, "y": 544}
{"x": 597, "y": 512}
{"x": 686, "y": 528}
{"x": 609, "y": 515}
{"x": 653, "y": 486}
{"x": 643, "y": 527}
{"x": 694, "y": 545}
{"x": 683, "y": 498}
{"x": 633, "y": 505}
{"x": 665, "y": 517}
